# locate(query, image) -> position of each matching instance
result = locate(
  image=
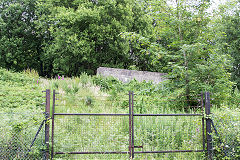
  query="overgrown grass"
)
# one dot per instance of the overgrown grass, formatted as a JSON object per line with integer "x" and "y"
{"x": 227, "y": 135}
{"x": 20, "y": 91}
{"x": 101, "y": 134}
{"x": 21, "y": 115}
{"x": 86, "y": 94}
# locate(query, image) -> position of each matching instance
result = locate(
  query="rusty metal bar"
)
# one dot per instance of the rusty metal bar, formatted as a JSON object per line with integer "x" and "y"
{"x": 166, "y": 96}
{"x": 131, "y": 115}
{"x": 35, "y": 137}
{"x": 208, "y": 125}
{"x": 168, "y": 115}
{"x": 47, "y": 112}
{"x": 170, "y": 151}
{"x": 109, "y": 114}
{"x": 130, "y": 126}
{"x": 53, "y": 111}
{"x": 91, "y": 152}
{"x": 89, "y": 114}
{"x": 203, "y": 134}
{"x": 203, "y": 120}
{"x": 138, "y": 152}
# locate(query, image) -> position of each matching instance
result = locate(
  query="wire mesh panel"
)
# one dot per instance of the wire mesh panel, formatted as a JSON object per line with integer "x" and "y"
{"x": 226, "y": 144}
{"x": 173, "y": 136}
{"x": 17, "y": 131}
{"x": 98, "y": 127}
{"x": 92, "y": 134}
{"x": 91, "y": 104}
{"x": 166, "y": 133}
{"x": 90, "y": 126}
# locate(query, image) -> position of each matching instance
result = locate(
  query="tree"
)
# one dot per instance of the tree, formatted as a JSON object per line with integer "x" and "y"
{"x": 20, "y": 45}
{"x": 228, "y": 39}
{"x": 193, "y": 60}
{"x": 86, "y": 34}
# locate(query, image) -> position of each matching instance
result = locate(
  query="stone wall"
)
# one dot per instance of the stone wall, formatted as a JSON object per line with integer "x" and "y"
{"x": 125, "y": 75}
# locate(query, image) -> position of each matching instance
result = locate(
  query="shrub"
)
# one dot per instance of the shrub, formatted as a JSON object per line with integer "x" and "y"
{"x": 227, "y": 139}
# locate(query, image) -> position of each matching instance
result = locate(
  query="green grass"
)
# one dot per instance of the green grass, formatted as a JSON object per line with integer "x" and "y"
{"x": 99, "y": 133}
{"x": 21, "y": 110}
{"x": 21, "y": 92}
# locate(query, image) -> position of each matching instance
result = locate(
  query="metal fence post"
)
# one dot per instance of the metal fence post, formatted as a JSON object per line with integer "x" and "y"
{"x": 130, "y": 124}
{"x": 47, "y": 112}
{"x": 203, "y": 121}
{"x": 53, "y": 112}
{"x": 208, "y": 125}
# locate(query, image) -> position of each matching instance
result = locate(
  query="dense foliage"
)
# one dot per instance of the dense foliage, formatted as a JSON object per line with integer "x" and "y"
{"x": 21, "y": 93}
{"x": 198, "y": 51}
{"x": 20, "y": 45}
{"x": 196, "y": 46}
{"x": 78, "y": 36}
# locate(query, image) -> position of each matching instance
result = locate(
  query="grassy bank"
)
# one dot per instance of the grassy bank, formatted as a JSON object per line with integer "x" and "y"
{"x": 21, "y": 93}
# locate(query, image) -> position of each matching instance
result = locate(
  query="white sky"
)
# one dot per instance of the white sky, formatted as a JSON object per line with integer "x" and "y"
{"x": 215, "y": 3}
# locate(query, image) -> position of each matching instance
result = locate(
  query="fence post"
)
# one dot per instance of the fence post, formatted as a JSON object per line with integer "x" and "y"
{"x": 208, "y": 125}
{"x": 130, "y": 124}
{"x": 203, "y": 121}
{"x": 47, "y": 112}
{"x": 53, "y": 111}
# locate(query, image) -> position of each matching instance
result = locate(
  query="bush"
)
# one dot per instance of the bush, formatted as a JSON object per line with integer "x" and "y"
{"x": 227, "y": 139}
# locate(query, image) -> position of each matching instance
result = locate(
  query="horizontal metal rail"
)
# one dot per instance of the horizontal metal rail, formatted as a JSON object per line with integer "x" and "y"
{"x": 91, "y": 152}
{"x": 90, "y": 114}
{"x": 167, "y": 115}
{"x": 170, "y": 151}
{"x": 121, "y": 114}
{"x": 140, "y": 152}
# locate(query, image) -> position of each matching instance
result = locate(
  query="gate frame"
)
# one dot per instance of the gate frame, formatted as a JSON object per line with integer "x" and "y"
{"x": 131, "y": 116}
{"x": 208, "y": 126}
{"x": 86, "y": 114}
{"x": 47, "y": 117}
{"x": 160, "y": 115}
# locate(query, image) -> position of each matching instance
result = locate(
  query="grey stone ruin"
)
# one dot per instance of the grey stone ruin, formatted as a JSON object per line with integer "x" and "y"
{"x": 126, "y": 75}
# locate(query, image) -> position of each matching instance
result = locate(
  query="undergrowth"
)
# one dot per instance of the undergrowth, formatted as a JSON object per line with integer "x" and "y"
{"x": 21, "y": 92}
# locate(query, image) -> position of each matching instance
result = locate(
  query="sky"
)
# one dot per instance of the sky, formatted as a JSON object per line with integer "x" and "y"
{"x": 215, "y": 3}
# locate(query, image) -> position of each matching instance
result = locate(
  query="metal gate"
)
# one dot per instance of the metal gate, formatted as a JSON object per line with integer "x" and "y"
{"x": 138, "y": 134}
{"x": 155, "y": 118}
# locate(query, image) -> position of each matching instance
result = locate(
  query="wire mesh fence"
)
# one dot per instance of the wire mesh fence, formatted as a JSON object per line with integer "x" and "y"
{"x": 226, "y": 136}
{"x": 91, "y": 104}
{"x": 90, "y": 134}
{"x": 158, "y": 133}
{"x": 17, "y": 132}
{"x": 85, "y": 127}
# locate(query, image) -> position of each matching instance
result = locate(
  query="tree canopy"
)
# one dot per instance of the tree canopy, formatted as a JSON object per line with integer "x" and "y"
{"x": 198, "y": 50}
